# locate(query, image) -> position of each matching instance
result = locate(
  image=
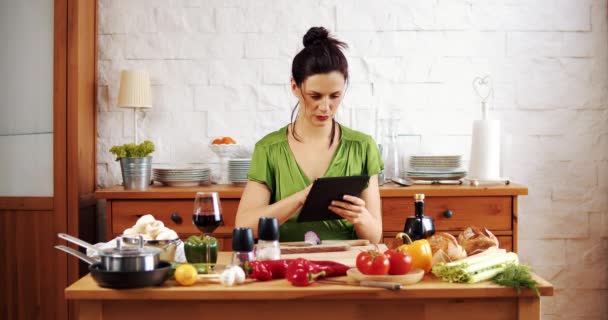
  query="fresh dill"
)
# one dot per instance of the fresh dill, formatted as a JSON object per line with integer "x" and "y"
{"x": 518, "y": 277}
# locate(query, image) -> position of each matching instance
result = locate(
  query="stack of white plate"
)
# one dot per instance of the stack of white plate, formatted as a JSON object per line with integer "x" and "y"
{"x": 237, "y": 170}
{"x": 181, "y": 177}
{"x": 436, "y": 168}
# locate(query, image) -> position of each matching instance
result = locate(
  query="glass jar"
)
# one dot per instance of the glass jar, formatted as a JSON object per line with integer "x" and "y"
{"x": 390, "y": 150}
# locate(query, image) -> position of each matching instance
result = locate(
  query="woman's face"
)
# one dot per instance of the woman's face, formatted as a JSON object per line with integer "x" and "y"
{"x": 320, "y": 95}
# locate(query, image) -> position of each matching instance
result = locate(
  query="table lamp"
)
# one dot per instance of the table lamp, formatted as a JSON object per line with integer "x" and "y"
{"x": 134, "y": 93}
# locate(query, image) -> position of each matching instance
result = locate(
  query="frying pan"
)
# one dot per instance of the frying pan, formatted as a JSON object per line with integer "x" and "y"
{"x": 122, "y": 279}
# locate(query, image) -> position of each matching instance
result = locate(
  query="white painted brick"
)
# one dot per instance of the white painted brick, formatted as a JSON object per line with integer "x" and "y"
{"x": 454, "y": 15}
{"x": 156, "y": 124}
{"x": 193, "y": 46}
{"x": 275, "y": 97}
{"x": 563, "y": 215}
{"x": 402, "y": 95}
{"x": 359, "y": 96}
{"x": 237, "y": 124}
{"x": 553, "y": 122}
{"x": 572, "y": 147}
{"x": 102, "y": 100}
{"x": 564, "y": 82}
{"x": 577, "y": 44}
{"x": 382, "y": 70}
{"x": 188, "y": 126}
{"x": 211, "y": 98}
{"x": 549, "y": 44}
{"x": 109, "y": 46}
{"x": 578, "y": 304}
{"x": 544, "y": 252}
{"x": 118, "y": 20}
{"x": 109, "y": 124}
{"x": 266, "y": 45}
{"x": 173, "y": 99}
{"x": 235, "y": 71}
{"x": 194, "y": 72}
{"x": 243, "y": 97}
{"x": 276, "y": 71}
{"x": 547, "y": 15}
{"x": 185, "y": 19}
{"x": 602, "y": 173}
{"x": 358, "y": 70}
{"x": 104, "y": 69}
{"x": 604, "y": 226}
{"x": 147, "y": 46}
{"x": 306, "y": 16}
{"x": 365, "y": 16}
{"x": 256, "y": 18}
{"x": 382, "y": 44}
{"x": 364, "y": 120}
{"x": 269, "y": 121}
{"x": 467, "y": 43}
{"x": 420, "y": 68}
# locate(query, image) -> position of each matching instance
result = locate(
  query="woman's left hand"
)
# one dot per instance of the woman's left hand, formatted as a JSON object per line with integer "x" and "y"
{"x": 352, "y": 209}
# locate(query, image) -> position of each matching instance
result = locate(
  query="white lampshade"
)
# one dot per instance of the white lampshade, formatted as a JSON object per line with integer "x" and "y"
{"x": 134, "y": 90}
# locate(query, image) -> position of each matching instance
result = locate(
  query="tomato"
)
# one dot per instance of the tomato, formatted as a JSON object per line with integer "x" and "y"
{"x": 400, "y": 262}
{"x": 372, "y": 262}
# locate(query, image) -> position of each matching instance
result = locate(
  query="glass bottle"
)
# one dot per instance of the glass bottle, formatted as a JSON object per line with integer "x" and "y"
{"x": 419, "y": 226}
{"x": 390, "y": 151}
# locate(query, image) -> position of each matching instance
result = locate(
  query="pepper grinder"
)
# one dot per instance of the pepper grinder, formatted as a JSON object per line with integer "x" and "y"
{"x": 242, "y": 246}
{"x": 418, "y": 226}
{"x": 268, "y": 247}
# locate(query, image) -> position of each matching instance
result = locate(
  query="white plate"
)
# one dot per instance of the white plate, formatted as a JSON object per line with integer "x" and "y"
{"x": 414, "y": 276}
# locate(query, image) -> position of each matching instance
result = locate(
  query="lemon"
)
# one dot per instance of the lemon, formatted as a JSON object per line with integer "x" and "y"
{"x": 186, "y": 274}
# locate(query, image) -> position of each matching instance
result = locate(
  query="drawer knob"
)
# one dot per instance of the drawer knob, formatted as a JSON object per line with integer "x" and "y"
{"x": 448, "y": 213}
{"x": 176, "y": 218}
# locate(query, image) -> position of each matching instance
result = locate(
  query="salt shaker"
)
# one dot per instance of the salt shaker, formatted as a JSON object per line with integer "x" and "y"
{"x": 242, "y": 246}
{"x": 268, "y": 247}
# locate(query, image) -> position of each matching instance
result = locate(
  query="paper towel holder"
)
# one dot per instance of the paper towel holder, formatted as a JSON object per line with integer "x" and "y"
{"x": 484, "y": 89}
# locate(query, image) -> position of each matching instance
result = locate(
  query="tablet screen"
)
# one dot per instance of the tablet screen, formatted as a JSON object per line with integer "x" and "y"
{"x": 324, "y": 191}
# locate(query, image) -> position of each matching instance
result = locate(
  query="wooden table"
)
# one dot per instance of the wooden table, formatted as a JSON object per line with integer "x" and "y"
{"x": 429, "y": 299}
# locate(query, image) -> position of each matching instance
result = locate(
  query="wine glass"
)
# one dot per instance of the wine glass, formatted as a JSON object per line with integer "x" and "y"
{"x": 207, "y": 216}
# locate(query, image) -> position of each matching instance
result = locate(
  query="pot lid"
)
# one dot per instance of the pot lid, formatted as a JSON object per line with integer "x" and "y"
{"x": 129, "y": 251}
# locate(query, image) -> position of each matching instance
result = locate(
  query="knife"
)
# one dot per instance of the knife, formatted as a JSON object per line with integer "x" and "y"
{"x": 374, "y": 284}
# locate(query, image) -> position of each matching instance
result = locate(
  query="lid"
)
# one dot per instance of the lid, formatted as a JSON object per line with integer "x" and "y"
{"x": 120, "y": 251}
{"x": 419, "y": 196}
{"x": 242, "y": 240}
{"x": 268, "y": 228}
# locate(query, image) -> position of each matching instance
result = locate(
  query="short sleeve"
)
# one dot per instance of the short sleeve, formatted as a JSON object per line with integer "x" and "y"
{"x": 261, "y": 169}
{"x": 373, "y": 163}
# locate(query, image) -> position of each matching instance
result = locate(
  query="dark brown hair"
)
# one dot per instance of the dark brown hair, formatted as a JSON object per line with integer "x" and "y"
{"x": 321, "y": 54}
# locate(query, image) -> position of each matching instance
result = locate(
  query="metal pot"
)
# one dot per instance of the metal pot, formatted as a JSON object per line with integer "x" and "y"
{"x": 122, "y": 279}
{"x": 124, "y": 259}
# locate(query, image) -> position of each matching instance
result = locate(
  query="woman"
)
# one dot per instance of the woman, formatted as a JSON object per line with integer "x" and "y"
{"x": 286, "y": 162}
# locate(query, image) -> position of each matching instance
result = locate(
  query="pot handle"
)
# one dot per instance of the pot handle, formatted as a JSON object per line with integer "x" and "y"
{"x": 77, "y": 254}
{"x": 77, "y": 241}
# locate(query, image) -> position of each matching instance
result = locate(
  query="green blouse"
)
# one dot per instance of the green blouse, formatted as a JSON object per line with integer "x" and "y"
{"x": 274, "y": 165}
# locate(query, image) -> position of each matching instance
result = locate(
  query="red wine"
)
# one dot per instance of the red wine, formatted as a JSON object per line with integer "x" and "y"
{"x": 206, "y": 223}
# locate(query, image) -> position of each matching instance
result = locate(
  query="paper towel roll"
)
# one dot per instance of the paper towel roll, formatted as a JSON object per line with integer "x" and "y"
{"x": 485, "y": 150}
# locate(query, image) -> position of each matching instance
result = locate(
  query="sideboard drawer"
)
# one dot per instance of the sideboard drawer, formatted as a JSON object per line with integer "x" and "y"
{"x": 126, "y": 212}
{"x": 493, "y": 212}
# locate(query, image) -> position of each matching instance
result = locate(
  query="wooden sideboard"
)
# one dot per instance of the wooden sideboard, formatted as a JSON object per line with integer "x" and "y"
{"x": 453, "y": 207}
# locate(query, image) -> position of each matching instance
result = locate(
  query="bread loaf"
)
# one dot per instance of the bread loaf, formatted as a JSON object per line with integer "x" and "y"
{"x": 445, "y": 247}
{"x": 475, "y": 240}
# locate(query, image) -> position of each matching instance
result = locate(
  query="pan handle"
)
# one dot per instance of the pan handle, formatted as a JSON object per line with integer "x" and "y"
{"x": 77, "y": 254}
{"x": 77, "y": 241}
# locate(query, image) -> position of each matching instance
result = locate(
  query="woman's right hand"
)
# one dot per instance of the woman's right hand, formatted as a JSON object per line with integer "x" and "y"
{"x": 303, "y": 194}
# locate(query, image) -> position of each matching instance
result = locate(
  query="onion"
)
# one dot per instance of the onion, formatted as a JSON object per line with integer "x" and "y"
{"x": 312, "y": 238}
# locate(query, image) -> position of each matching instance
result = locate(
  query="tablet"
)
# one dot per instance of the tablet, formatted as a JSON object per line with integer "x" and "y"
{"x": 324, "y": 191}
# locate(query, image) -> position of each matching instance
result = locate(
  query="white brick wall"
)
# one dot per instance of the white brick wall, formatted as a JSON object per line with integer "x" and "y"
{"x": 223, "y": 68}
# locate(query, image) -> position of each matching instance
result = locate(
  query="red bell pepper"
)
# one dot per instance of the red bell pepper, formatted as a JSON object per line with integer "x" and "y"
{"x": 278, "y": 268}
{"x": 300, "y": 273}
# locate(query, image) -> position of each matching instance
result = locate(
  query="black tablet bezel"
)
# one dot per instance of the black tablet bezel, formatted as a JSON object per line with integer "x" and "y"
{"x": 326, "y": 189}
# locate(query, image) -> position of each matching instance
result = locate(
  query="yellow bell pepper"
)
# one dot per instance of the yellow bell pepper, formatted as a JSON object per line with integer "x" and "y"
{"x": 419, "y": 250}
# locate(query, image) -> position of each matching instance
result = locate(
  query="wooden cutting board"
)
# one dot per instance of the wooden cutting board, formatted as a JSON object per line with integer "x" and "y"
{"x": 325, "y": 246}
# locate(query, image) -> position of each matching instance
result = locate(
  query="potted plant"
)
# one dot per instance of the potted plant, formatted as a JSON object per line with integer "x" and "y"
{"x": 135, "y": 164}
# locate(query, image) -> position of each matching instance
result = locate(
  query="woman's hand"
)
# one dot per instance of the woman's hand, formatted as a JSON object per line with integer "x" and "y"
{"x": 352, "y": 209}
{"x": 303, "y": 194}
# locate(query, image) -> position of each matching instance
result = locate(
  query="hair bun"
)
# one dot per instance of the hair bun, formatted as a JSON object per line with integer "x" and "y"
{"x": 315, "y": 35}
